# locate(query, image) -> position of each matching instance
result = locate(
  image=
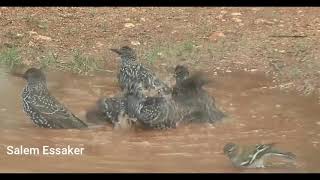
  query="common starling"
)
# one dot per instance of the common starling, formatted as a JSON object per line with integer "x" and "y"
{"x": 152, "y": 112}
{"x": 199, "y": 106}
{"x": 181, "y": 73}
{"x": 43, "y": 109}
{"x": 133, "y": 72}
{"x": 253, "y": 156}
{"x": 107, "y": 110}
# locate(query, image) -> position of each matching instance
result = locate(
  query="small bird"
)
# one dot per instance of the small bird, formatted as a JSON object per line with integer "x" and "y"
{"x": 107, "y": 110}
{"x": 43, "y": 109}
{"x": 152, "y": 112}
{"x": 136, "y": 109}
{"x": 198, "y": 104}
{"x": 253, "y": 156}
{"x": 133, "y": 72}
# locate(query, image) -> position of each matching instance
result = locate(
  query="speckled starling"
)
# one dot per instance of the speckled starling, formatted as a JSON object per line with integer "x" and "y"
{"x": 43, "y": 109}
{"x": 107, "y": 110}
{"x": 198, "y": 104}
{"x": 152, "y": 112}
{"x": 133, "y": 72}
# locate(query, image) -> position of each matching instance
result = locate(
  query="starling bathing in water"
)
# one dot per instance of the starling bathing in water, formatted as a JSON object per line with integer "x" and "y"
{"x": 147, "y": 112}
{"x": 188, "y": 91}
{"x": 152, "y": 112}
{"x": 108, "y": 110}
{"x": 133, "y": 72}
{"x": 253, "y": 156}
{"x": 43, "y": 109}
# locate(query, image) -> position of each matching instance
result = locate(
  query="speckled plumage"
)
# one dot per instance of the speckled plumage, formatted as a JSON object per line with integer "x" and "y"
{"x": 153, "y": 112}
{"x": 43, "y": 109}
{"x": 198, "y": 105}
{"x": 133, "y": 72}
{"x": 113, "y": 107}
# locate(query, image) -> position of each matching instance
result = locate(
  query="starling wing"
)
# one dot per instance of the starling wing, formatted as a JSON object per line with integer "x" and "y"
{"x": 50, "y": 111}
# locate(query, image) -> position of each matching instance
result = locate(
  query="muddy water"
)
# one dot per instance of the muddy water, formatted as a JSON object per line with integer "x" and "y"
{"x": 257, "y": 114}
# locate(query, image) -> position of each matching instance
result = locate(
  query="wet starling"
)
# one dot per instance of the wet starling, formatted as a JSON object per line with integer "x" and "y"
{"x": 253, "y": 156}
{"x": 181, "y": 73}
{"x": 152, "y": 112}
{"x": 198, "y": 104}
{"x": 133, "y": 72}
{"x": 107, "y": 110}
{"x": 43, "y": 109}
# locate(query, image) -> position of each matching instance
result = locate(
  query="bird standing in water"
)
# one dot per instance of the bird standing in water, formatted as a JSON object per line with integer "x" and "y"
{"x": 135, "y": 108}
{"x": 43, "y": 109}
{"x": 107, "y": 109}
{"x": 253, "y": 156}
{"x": 152, "y": 112}
{"x": 199, "y": 106}
{"x": 133, "y": 72}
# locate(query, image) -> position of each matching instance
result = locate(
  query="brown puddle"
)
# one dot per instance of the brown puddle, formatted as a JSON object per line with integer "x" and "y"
{"x": 257, "y": 114}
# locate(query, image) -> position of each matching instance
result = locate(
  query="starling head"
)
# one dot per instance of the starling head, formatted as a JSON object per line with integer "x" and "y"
{"x": 230, "y": 149}
{"x": 33, "y": 75}
{"x": 181, "y": 73}
{"x": 126, "y": 52}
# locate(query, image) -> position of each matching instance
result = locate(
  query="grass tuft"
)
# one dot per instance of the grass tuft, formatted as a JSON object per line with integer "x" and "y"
{"x": 85, "y": 65}
{"x": 10, "y": 57}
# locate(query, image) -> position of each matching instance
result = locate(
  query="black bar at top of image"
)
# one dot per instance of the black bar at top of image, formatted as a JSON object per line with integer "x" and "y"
{"x": 198, "y": 3}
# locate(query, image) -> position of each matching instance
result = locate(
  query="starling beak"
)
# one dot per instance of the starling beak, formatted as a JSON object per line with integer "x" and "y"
{"x": 126, "y": 52}
{"x": 253, "y": 156}
{"x": 43, "y": 109}
{"x": 17, "y": 75}
{"x": 116, "y": 51}
{"x": 188, "y": 92}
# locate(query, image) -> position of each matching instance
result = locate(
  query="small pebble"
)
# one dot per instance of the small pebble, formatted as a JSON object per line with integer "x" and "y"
{"x": 129, "y": 25}
{"x": 135, "y": 43}
{"x": 236, "y": 14}
{"x": 237, "y": 20}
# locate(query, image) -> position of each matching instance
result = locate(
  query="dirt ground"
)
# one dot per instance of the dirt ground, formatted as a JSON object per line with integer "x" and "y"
{"x": 282, "y": 42}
